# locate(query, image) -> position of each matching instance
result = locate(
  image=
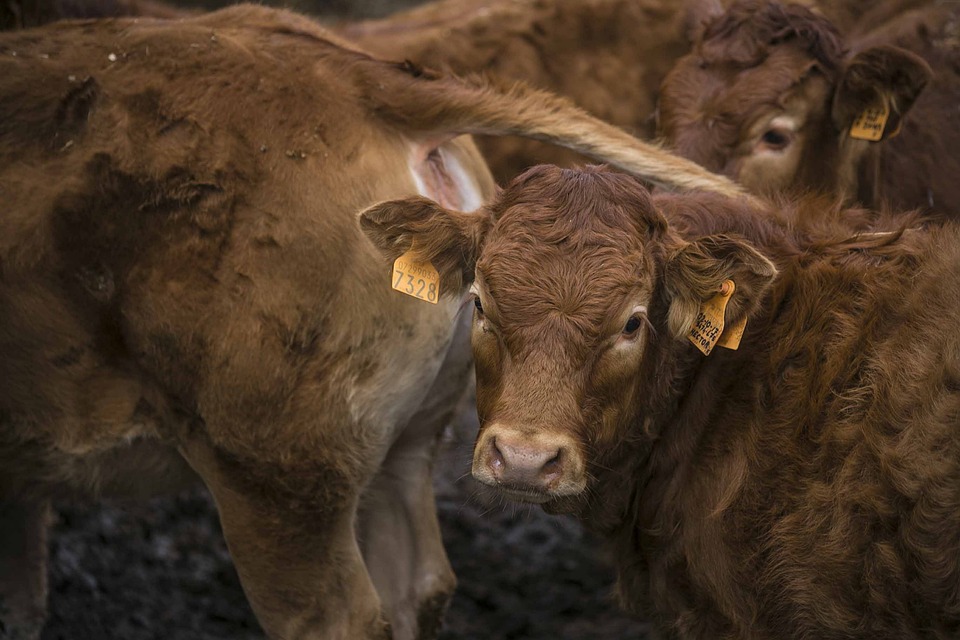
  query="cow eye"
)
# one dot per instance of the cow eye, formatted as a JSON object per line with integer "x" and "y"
{"x": 476, "y": 303}
{"x": 633, "y": 325}
{"x": 775, "y": 139}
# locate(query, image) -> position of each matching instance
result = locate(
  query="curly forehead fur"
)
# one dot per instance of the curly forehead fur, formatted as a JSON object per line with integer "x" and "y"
{"x": 746, "y": 33}
{"x": 561, "y": 224}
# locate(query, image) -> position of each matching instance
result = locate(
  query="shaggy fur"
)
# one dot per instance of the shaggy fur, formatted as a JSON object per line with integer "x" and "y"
{"x": 804, "y": 486}
{"x": 763, "y": 63}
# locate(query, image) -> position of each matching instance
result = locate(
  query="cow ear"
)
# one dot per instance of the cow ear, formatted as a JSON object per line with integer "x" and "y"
{"x": 450, "y": 240}
{"x": 696, "y": 272}
{"x": 877, "y": 77}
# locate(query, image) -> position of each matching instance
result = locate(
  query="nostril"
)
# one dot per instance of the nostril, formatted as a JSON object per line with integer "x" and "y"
{"x": 495, "y": 461}
{"x": 553, "y": 466}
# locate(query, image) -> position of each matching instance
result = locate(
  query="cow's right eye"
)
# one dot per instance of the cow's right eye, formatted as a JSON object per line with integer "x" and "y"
{"x": 476, "y": 303}
{"x": 775, "y": 139}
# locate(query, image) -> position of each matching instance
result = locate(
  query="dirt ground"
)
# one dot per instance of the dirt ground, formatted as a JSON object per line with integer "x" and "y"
{"x": 161, "y": 571}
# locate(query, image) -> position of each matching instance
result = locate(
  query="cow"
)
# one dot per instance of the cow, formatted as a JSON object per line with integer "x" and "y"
{"x": 773, "y": 96}
{"x": 185, "y": 292}
{"x": 608, "y": 56}
{"x": 758, "y": 409}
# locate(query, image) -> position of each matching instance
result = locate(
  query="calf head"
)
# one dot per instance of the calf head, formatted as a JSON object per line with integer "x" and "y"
{"x": 769, "y": 94}
{"x": 581, "y": 291}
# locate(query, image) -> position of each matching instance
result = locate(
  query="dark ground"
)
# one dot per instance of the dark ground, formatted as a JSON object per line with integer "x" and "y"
{"x": 161, "y": 571}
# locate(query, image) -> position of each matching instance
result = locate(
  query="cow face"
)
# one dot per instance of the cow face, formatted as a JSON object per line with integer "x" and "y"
{"x": 767, "y": 97}
{"x": 578, "y": 289}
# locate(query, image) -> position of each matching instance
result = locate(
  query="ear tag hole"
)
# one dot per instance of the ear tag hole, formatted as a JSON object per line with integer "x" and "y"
{"x": 708, "y": 330}
{"x": 416, "y": 278}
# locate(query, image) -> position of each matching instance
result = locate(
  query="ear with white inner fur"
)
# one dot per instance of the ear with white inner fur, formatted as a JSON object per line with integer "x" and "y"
{"x": 876, "y": 77}
{"x": 450, "y": 240}
{"x": 695, "y": 273}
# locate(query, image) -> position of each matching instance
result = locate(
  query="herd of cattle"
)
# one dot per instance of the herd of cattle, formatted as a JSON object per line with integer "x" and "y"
{"x": 735, "y": 353}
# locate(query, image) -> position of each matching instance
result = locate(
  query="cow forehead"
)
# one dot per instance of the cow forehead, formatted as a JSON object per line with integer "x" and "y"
{"x": 719, "y": 99}
{"x": 572, "y": 282}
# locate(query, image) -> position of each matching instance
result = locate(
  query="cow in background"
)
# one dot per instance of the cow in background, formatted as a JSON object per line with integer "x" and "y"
{"x": 184, "y": 286}
{"x": 608, "y": 56}
{"x": 773, "y": 96}
{"x": 758, "y": 408}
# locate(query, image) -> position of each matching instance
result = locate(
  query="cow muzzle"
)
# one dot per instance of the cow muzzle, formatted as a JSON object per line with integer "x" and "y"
{"x": 529, "y": 467}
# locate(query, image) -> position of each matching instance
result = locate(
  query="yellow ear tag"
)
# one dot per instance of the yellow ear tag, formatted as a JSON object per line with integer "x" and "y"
{"x": 730, "y": 338}
{"x": 415, "y": 278}
{"x": 709, "y": 325}
{"x": 870, "y": 123}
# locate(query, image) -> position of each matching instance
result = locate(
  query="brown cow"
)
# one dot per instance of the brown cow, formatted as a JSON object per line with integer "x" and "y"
{"x": 608, "y": 56}
{"x": 183, "y": 282}
{"x": 805, "y": 485}
{"x": 771, "y": 95}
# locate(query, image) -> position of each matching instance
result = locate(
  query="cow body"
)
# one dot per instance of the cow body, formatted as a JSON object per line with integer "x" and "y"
{"x": 184, "y": 291}
{"x": 805, "y": 485}
{"x": 770, "y": 95}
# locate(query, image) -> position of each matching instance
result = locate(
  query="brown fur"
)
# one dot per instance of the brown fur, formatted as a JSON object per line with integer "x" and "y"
{"x": 608, "y": 56}
{"x": 184, "y": 289}
{"x": 806, "y": 485}
{"x": 762, "y": 62}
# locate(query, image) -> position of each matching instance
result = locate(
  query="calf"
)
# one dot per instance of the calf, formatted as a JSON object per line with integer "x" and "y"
{"x": 184, "y": 290}
{"x": 803, "y": 485}
{"x": 773, "y": 96}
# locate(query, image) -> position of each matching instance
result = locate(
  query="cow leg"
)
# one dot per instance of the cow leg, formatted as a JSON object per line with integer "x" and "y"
{"x": 23, "y": 569}
{"x": 295, "y": 552}
{"x": 398, "y": 528}
{"x": 402, "y": 546}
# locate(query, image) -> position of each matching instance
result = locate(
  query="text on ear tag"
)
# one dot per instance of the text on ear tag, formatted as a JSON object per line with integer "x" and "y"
{"x": 870, "y": 123}
{"x": 415, "y": 278}
{"x": 709, "y": 324}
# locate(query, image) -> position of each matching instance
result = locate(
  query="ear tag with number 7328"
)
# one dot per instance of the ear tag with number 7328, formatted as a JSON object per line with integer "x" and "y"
{"x": 416, "y": 278}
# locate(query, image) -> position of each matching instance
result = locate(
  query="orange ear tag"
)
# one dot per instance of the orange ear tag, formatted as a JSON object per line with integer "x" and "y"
{"x": 870, "y": 123}
{"x": 706, "y": 331}
{"x": 415, "y": 278}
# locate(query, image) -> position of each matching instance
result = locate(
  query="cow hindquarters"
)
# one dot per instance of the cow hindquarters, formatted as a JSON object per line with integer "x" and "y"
{"x": 398, "y": 528}
{"x": 23, "y": 569}
{"x": 297, "y": 558}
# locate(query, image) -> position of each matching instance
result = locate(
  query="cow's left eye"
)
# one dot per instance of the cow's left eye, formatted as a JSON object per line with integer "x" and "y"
{"x": 478, "y": 305}
{"x": 633, "y": 326}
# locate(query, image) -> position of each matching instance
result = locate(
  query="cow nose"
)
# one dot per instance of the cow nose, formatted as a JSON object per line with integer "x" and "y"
{"x": 516, "y": 461}
{"x": 547, "y": 464}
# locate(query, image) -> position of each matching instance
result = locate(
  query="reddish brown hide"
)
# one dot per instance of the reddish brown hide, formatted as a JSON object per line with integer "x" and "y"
{"x": 806, "y": 485}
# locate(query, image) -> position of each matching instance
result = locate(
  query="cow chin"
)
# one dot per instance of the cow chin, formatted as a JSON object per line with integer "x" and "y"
{"x": 492, "y": 494}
